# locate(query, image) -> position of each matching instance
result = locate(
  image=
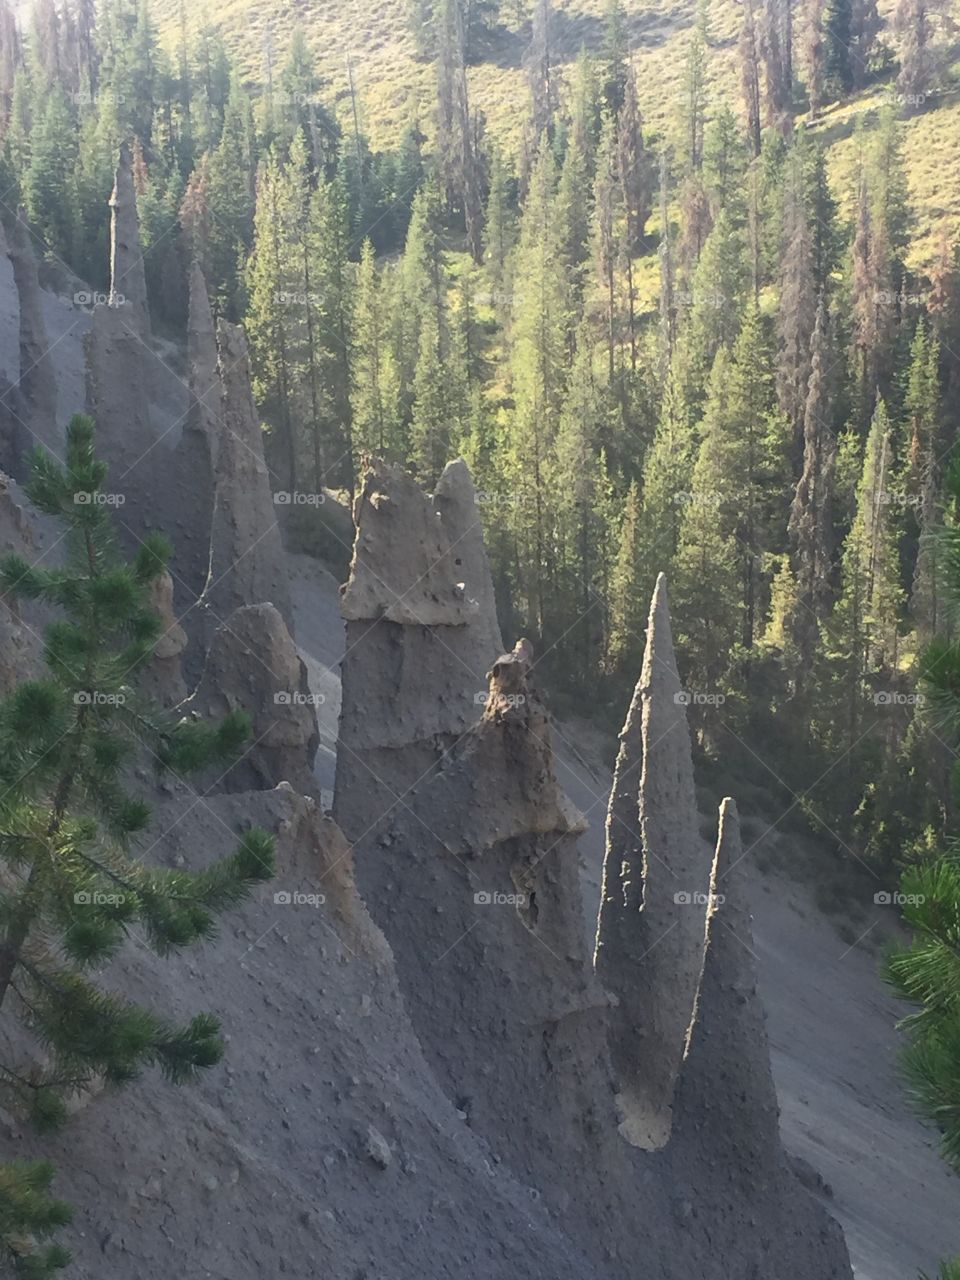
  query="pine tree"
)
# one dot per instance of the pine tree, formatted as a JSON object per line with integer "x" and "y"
{"x": 921, "y": 451}
{"x": 864, "y": 28}
{"x": 725, "y": 166}
{"x": 142, "y": 72}
{"x": 839, "y": 37}
{"x": 814, "y": 55}
{"x": 920, "y": 24}
{"x": 613, "y": 58}
{"x": 420, "y": 289}
{"x": 762, "y": 438}
{"x": 605, "y": 232}
{"x": 717, "y": 297}
{"x": 273, "y": 281}
{"x": 586, "y": 110}
{"x": 869, "y": 292}
{"x": 230, "y": 202}
{"x": 707, "y": 590}
{"x": 29, "y": 1216}
{"x": 458, "y": 142}
{"x": 810, "y": 524}
{"x": 499, "y": 232}
{"x": 578, "y": 482}
{"x": 538, "y": 63}
{"x": 943, "y": 309}
{"x": 431, "y": 428}
{"x": 418, "y": 17}
{"x": 627, "y": 610}
{"x": 539, "y": 343}
{"x": 927, "y": 972}
{"x": 325, "y": 347}
{"x": 634, "y": 169}
{"x": 17, "y": 138}
{"x": 749, "y": 57}
{"x": 822, "y": 219}
{"x": 48, "y": 174}
{"x": 68, "y": 824}
{"x": 374, "y": 409}
{"x": 441, "y": 402}
{"x": 572, "y": 208}
{"x": 796, "y": 314}
{"x": 667, "y": 476}
{"x": 694, "y": 102}
{"x": 776, "y": 63}
{"x": 866, "y": 618}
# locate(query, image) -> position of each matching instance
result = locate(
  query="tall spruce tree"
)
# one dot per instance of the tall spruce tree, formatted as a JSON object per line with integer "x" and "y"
{"x": 626, "y": 608}
{"x": 867, "y": 614}
{"x": 707, "y": 587}
{"x": 797, "y": 311}
{"x": 373, "y": 400}
{"x": 539, "y": 343}
{"x": 927, "y": 971}
{"x": 921, "y": 449}
{"x": 274, "y": 286}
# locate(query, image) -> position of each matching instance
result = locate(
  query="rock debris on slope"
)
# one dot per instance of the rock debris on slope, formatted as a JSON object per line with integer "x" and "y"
{"x": 426, "y": 1074}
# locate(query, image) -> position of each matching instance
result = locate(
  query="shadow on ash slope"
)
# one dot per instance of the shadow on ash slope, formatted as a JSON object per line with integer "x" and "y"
{"x": 427, "y": 1075}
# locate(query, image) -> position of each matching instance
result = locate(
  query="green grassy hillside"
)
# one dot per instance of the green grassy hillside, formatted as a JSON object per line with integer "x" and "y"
{"x": 393, "y": 84}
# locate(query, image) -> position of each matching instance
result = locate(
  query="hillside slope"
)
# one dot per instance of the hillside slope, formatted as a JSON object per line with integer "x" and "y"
{"x": 394, "y": 85}
{"x": 330, "y": 1113}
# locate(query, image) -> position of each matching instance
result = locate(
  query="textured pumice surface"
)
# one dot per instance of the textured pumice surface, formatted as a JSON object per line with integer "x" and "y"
{"x": 470, "y": 867}
{"x": 430, "y": 1070}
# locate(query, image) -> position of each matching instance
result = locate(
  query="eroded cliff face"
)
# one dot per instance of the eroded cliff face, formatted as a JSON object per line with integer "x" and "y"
{"x": 466, "y": 854}
{"x": 427, "y": 1074}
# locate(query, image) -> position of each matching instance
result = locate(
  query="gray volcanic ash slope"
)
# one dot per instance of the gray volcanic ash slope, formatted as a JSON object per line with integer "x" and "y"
{"x": 427, "y": 1075}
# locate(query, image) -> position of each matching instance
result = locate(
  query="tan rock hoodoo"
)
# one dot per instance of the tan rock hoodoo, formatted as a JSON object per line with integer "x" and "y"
{"x": 162, "y": 677}
{"x": 654, "y": 948}
{"x": 725, "y": 1089}
{"x": 466, "y": 852}
{"x": 122, "y": 370}
{"x": 245, "y": 551}
{"x": 128, "y": 283}
{"x": 253, "y": 666}
{"x": 197, "y": 445}
{"x": 30, "y": 406}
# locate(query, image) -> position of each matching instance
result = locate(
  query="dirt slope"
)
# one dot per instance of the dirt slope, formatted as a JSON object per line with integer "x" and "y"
{"x": 832, "y": 1031}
